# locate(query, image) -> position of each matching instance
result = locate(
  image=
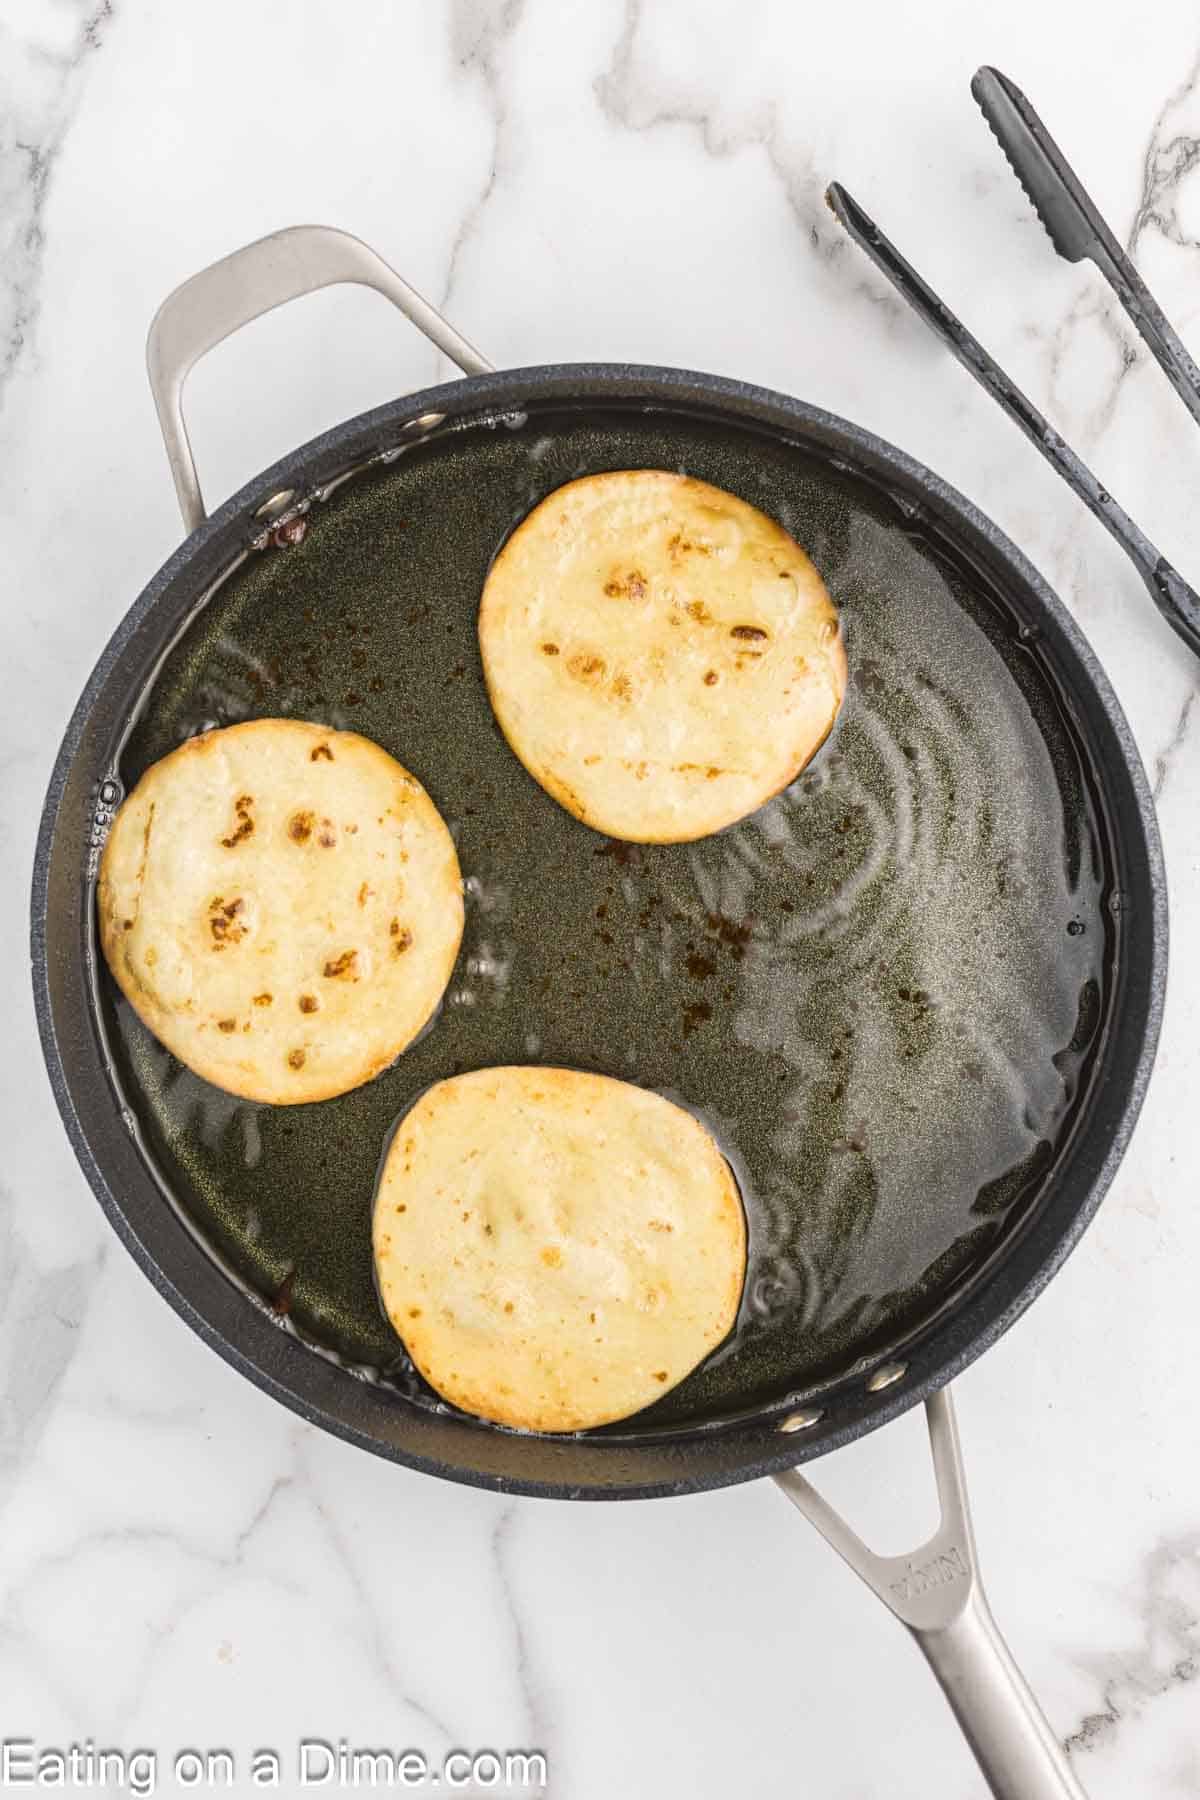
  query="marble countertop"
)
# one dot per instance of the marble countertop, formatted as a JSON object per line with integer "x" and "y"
{"x": 183, "y": 1563}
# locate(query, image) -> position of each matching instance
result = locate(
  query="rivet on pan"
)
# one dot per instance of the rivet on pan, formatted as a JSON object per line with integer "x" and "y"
{"x": 800, "y": 1421}
{"x": 271, "y": 509}
{"x": 424, "y": 422}
{"x": 884, "y": 1376}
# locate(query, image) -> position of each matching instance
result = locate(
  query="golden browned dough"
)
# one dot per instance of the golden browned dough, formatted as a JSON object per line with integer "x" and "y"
{"x": 251, "y": 894}
{"x": 556, "y": 1249}
{"x": 661, "y": 656}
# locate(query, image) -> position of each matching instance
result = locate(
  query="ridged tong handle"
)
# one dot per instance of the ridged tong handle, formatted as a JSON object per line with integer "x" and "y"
{"x": 1177, "y": 602}
{"x": 1074, "y": 224}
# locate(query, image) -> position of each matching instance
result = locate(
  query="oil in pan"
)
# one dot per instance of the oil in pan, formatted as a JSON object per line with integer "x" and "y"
{"x": 880, "y": 991}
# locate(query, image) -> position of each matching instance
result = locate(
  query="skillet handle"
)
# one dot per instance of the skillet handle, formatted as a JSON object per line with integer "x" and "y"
{"x": 936, "y": 1592}
{"x": 241, "y": 287}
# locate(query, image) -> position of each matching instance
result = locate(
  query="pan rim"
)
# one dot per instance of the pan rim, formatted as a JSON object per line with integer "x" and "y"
{"x": 765, "y": 1452}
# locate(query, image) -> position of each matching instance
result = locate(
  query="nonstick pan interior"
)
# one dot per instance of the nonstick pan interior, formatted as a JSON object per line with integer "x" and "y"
{"x": 881, "y": 992}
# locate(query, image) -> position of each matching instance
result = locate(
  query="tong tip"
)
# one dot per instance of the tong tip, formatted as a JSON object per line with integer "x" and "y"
{"x": 987, "y": 77}
{"x": 1053, "y": 189}
{"x": 849, "y": 213}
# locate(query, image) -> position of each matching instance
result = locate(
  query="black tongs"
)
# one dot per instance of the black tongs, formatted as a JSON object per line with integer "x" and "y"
{"x": 1076, "y": 230}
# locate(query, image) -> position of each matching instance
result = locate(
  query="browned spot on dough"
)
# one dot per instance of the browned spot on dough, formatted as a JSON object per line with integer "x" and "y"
{"x": 262, "y": 999}
{"x": 322, "y": 753}
{"x": 363, "y": 893}
{"x": 626, "y": 587}
{"x": 549, "y": 649}
{"x": 661, "y": 1225}
{"x": 508, "y": 1306}
{"x": 402, "y": 941}
{"x": 585, "y": 667}
{"x": 660, "y": 1374}
{"x": 223, "y": 921}
{"x": 127, "y": 925}
{"x": 622, "y": 687}
{"x": 345, "y": 964}
{"x": 308, "y": 1003}
{"x": 697, "y": 610}
{"x": 327, "y": 836}
{"x": 711, "y": 774}
{"x": 300, "y": 827}
{"x": 226, "y": 1024}
{"x": 679, "y": 546}
{"x": 245, "y": 824}
{"x": 552, "y": 1257}
{"x": 414, "y": 1312}
{"x": 752, "y": 633}
{"x": 711, "y": 678}
{"x": 295, "y": 1059}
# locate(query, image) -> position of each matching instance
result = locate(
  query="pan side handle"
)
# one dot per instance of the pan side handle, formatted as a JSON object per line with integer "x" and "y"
{"x": 936, "y": 1592}
{"x": 239, "y": 288}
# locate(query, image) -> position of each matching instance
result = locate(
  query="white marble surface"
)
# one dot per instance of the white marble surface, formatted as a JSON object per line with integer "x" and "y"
{"x": 181, "y": 1562}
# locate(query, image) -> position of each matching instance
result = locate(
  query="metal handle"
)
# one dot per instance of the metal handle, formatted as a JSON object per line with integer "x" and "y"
{"x": 240, "y": 288}
{"x": 937, "y": 1593}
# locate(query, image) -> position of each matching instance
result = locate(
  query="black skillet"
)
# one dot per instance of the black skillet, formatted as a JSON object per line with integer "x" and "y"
{"x": 916, "y": 996}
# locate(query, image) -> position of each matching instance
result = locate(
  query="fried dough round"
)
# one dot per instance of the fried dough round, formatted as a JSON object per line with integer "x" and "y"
{"x": 661, "y": 656}
{"x": 282, "y": 906}
{"x": 556, "y": 1249}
